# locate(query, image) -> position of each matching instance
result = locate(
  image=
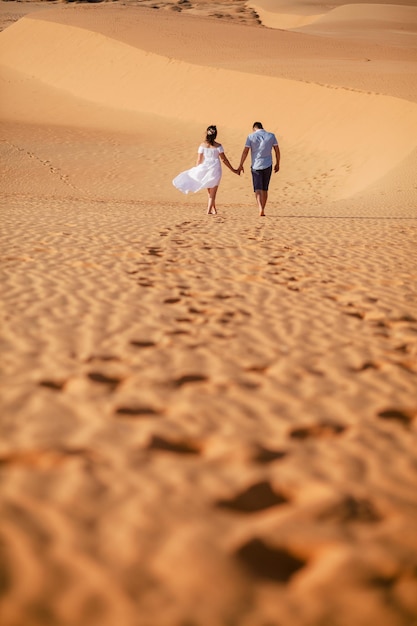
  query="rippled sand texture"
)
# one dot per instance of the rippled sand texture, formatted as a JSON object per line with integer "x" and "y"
{"x": 206, "y": 421}
{"x": 213, "y": 419}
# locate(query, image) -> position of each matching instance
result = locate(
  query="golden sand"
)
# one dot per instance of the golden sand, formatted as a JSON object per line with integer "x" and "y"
{"x": 208, "y": 421}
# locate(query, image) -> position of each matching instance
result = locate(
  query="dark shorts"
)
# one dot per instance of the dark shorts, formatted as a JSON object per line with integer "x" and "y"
{"x": 261, "y": 179}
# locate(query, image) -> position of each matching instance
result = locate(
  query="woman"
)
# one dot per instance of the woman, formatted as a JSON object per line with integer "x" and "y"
{"x": 207, "y": 172}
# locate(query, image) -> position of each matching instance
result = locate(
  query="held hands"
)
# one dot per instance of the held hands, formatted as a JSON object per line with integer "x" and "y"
{"x": 241, "y": 170}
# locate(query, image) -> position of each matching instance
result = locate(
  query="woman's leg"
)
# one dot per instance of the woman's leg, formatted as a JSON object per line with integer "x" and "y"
{"x": 211, "y": 205}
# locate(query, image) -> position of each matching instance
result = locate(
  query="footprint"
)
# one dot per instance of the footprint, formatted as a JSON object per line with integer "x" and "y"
{"x": 351, "y": 509}
{"x": 189, "y": 378}
{"x": 367, "y": 365}
{"x": 56, "y": 385}
{"x": 403, "y": 348}
{"x": 258, "y": 369}
{"x": 137, "y": 411}
{"x": 403, "y": 417}
{"x": 324, "y": 429}
{"x": 102, "y": 357}
{"x": 178, "y": 447}
{"x": 155, "y": 251}
{"x": 267, "y": 562}
{"x": 356, "y": 314}
{"x": 405, "y": 318}
{"x": 195, "y": 311}
{"x": 102, "y": 379}
{"x": 265, "y": 455}
{"x": 257, "y": 497}
{"x": 172, "y": 300}
{"x": 142, "y": 344}
{"x": 223, "y": 296}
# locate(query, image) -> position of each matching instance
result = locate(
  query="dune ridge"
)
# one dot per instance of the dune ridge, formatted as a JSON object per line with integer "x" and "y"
{"x": 384, "y": 16}
{"x": 345, "y": 18}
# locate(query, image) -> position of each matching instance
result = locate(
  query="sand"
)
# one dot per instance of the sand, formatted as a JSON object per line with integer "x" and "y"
{"x": 208, "y": 421}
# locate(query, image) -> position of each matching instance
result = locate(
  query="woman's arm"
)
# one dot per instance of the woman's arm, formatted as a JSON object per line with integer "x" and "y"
{"x": 227, "y": 162}
{"x": 200, "y": 158}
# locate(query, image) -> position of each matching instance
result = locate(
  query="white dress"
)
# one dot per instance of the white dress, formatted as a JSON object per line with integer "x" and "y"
{"x": 203, "y": 176}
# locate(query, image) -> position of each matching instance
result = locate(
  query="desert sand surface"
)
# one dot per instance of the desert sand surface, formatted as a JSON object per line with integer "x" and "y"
{"x": 208, "y": 420}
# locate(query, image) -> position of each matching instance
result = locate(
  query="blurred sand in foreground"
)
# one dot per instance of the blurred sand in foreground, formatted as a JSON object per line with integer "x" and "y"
{"x": 208, "y": 421}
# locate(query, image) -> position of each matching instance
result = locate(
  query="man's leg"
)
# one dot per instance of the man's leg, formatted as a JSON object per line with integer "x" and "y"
{"x": 261, "y": 180}
{"x": 257, "y": 187}
{"x": 259, "y": 199}
{"x": 264, "y": 200}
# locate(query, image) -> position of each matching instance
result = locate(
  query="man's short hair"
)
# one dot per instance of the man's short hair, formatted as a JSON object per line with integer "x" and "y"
{"x": 257, "y": 125}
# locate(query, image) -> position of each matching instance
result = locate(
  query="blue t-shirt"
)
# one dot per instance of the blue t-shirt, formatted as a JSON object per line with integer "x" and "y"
{"x": 261, "y": 143}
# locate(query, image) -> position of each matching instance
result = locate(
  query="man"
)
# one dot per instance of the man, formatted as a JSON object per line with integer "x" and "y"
{"x": 260, "y": 143}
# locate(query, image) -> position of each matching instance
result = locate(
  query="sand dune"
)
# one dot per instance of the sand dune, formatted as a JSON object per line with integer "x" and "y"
{"x": 366, "y": 16}
{"x": 287, "y": 14}
{"x": 339, "y": 130}
{"x": 347, "y": 18}
{"x": 207, "y": 421}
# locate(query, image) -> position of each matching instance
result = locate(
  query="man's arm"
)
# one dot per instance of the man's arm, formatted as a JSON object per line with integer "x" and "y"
{"x": 243, "y": 159}
{"x": 278, "y": 158}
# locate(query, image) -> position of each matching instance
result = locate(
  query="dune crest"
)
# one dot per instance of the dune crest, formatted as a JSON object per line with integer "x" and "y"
{"x": 284, "y": 15}
{"x": 344, "y": 18}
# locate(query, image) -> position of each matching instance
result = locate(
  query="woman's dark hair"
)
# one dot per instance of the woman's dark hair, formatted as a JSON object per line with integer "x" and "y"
{"x": 211, "y": 134}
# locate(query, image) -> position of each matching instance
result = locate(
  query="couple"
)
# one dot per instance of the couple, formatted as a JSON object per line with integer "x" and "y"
{"x": 208, "y": 172}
